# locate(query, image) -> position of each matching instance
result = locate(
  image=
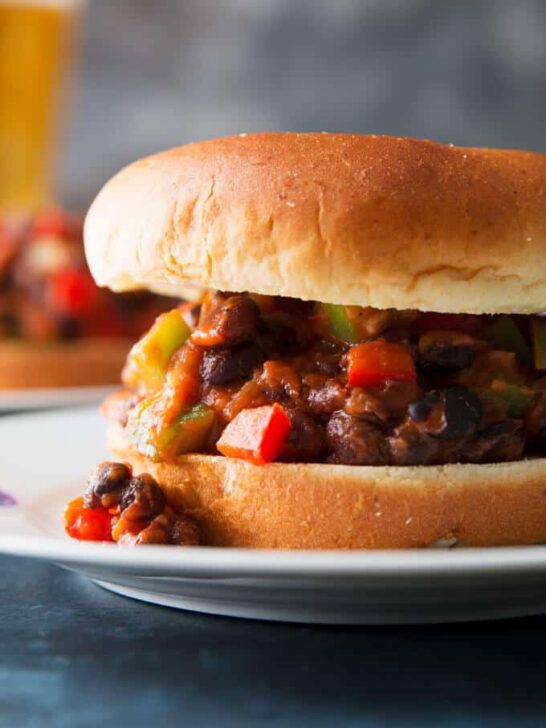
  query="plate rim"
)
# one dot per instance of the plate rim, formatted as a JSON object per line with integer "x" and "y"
{"x": 21, "y": 401}
{"x": 227, "y": 560}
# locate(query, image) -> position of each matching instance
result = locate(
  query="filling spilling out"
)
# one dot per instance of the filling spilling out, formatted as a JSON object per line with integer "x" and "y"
{"x": 129, "y": 510}
{"x": 277, "y": 379}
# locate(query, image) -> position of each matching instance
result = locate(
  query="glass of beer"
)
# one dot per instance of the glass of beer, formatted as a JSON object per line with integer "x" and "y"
{"x": 36, "y": 57}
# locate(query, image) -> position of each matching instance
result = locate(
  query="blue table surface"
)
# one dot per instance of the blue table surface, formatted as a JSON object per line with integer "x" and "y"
{"x": 73, "y": 655}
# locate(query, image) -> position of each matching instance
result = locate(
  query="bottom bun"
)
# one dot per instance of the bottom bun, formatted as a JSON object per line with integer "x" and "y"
{"x": 319, "y": 506}
{"x": 82, "y": 362}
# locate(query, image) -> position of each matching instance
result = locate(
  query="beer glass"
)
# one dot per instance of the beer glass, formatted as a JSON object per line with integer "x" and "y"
{"x": 36, "y": 57}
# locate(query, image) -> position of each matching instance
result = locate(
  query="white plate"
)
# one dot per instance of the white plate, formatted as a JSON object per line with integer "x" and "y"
{"x": 45, "y": 459}
{"x": 47, "y": 398}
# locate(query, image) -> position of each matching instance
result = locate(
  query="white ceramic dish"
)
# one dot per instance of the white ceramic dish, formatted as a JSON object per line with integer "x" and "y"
{"x": 44, "y": 461}
{"x": 12, "y": 400}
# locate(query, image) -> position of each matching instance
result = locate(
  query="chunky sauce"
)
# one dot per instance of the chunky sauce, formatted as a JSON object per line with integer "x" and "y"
{"x": 359, "y": 386}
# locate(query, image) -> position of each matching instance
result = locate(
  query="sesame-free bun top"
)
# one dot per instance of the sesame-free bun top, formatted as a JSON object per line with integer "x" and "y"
{"x": 366, "y": 220}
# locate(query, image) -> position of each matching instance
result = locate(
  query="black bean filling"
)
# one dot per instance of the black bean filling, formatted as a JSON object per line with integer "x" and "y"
{"x": 141, "y": 506}
{"x": 257, "y": 350}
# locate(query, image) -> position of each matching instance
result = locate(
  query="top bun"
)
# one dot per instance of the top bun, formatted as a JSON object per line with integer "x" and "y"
{"x": 367, "y": 220}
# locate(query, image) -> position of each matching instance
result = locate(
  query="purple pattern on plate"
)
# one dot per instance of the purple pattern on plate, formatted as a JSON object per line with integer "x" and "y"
{"x": 6, "y": 499}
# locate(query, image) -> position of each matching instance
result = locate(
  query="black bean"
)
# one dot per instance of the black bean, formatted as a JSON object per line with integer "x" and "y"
{"x": 280, "y": 381}
{"x": 306, "y": 440}
{"x": 170, "y": 528}
{"x": 283, "y": 334}
{"x": 228, "y": 364}
{"x": 367, "y": 405}
{"x": 462, "y": 412}
{"x": 329, "y": 365}
{"x": 420, "y": 410}
{"x": 448, "y": 413}
{"x": 327, "y": 398}
{"x": 232, "y": 322}
{"x": 143, "y": 497}
{"x": 105, "y": 485}
{"x": 355, "y": 441}
{"x": 498, "y": 442}
{"x": 449, "y": 350}
{"x": 410, "y": 446}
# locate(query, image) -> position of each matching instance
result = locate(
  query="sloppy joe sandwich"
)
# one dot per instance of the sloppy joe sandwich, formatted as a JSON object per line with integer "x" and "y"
{"x": 366, "y": 368}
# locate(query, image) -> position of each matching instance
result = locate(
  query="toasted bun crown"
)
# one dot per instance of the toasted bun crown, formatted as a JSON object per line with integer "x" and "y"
{"x": 366, "y": 220}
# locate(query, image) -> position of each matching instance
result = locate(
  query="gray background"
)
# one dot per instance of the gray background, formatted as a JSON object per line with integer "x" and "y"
{"x": 157, "y": 73}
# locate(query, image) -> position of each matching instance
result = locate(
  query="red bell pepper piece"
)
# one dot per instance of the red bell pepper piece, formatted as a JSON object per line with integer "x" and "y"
{"x": 375, "y": 362}
{"x": 87, "y": 524}
{"x": 72, "y": 292}
{"x": 57, "y": 223}
{"x": 257, "y": 435}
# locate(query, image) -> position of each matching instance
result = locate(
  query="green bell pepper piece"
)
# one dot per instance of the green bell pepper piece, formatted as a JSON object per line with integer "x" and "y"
{"x": 156, "y": 439}
{"x": 193, "y": 428}
{"x": 505, "y": 335}
{"x": 517, "y": 399}
{"x": 538, "y": 329}
{"x": 342, "y": 322}
{"x": 149, "y": 358}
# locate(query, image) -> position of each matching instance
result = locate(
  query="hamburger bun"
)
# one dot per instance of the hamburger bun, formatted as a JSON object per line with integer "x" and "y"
{"x": 365, "y": 220}
{"x": 319, "y": 506}
{"x": 83, "y": 362}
